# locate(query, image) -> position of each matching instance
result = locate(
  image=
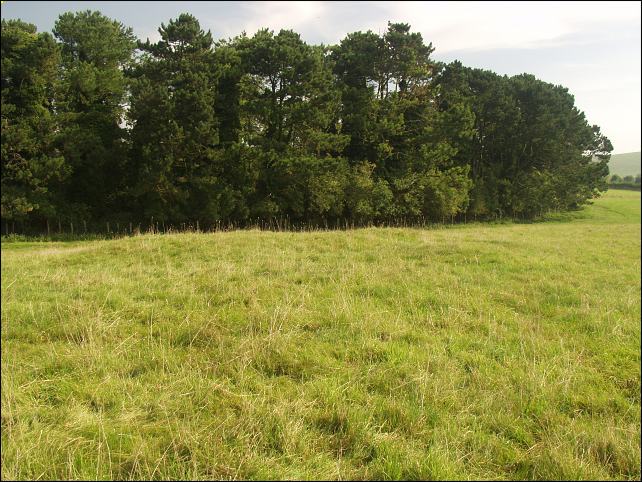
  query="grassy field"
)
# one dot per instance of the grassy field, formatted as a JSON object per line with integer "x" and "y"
{"x": 469, "y": 351}
{"x": 627, "y": 164}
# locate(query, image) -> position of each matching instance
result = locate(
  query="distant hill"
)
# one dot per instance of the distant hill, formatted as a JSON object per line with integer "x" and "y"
{"x": 627, "y": 164}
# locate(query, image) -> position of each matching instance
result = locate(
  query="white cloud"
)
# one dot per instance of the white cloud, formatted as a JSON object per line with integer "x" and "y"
{"x": 485, "y": 25}
{"x": 279, "y": 15}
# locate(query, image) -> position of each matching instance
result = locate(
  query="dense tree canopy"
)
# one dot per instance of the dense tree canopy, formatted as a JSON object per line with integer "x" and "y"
{"x": 32, "y": 164}
{"x": 90, "y": 106}
{"x": 98, "y": 126}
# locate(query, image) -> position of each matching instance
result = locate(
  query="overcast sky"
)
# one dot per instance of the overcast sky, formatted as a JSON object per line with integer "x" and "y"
{"x": 593, "y": 48}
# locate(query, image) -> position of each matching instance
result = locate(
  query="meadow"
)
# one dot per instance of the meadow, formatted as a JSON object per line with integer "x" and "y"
{"x": 494, "y": 351}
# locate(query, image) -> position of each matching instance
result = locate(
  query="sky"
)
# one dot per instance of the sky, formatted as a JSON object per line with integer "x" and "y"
{"x": 593, "y": 48}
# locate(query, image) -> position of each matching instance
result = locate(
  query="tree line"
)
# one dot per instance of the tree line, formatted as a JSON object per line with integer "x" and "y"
{"x": 100, "y": 126}
{"x": 616, "y": 181}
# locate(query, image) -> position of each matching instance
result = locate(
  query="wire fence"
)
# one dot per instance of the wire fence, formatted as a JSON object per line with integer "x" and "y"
{"x": 59, "y": 230}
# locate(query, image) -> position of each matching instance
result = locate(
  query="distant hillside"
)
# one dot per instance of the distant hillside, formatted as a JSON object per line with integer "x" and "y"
{"x": 625, "y": 164}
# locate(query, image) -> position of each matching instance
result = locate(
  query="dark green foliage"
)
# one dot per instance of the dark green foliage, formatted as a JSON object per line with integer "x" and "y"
{"x": 175, "y": 134}
{"x": 95, "y": 50}
{"x": 31, "y": 163}
{"x": 266, "y": 126}
{"x": 532, "y": 151}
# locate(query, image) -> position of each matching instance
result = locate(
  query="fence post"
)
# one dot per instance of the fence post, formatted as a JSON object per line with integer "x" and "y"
{"x": 48, "y": 230}
{"x": 72, "y": 227}
{"x": 108, "y": 227}
{"x": 130, "y": 228}
{"x": 84, "y": 226}
{"x": 59, "y": 226}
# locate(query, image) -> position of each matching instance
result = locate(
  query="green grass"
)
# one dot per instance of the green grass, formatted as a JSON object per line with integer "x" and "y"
{"x": 473, "y": 351}
{"x": 627, "y": 164}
